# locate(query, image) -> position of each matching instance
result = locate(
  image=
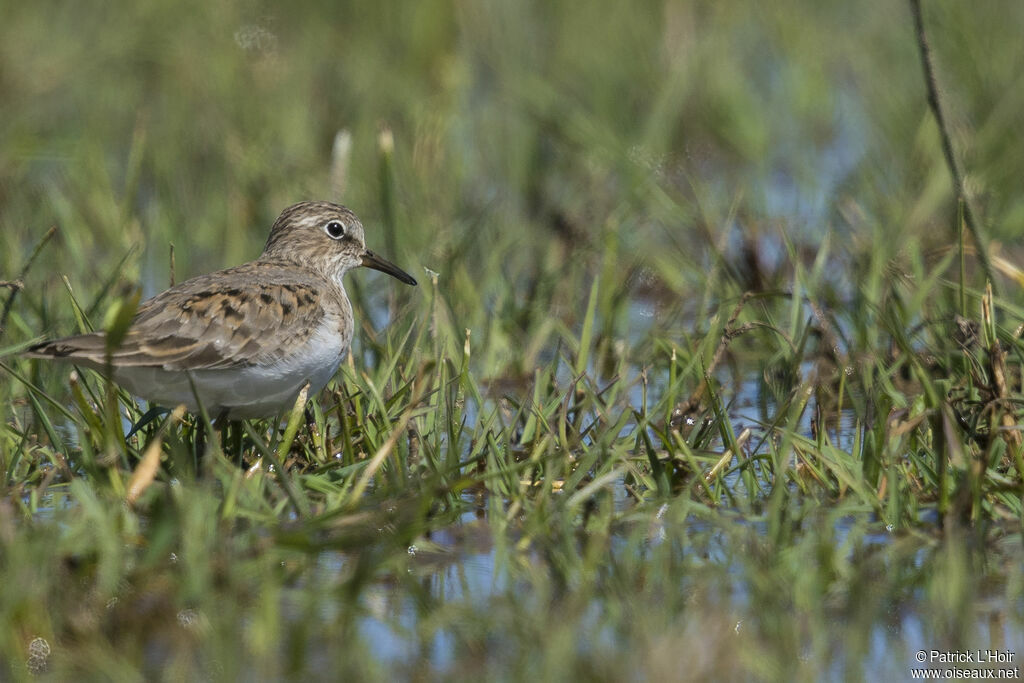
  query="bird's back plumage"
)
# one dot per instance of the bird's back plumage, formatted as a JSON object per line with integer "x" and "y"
{"x": 232, "y": 318}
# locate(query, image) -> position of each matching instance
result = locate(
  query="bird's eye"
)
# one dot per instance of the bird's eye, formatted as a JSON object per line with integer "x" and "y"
{"x": 335, "y": 230}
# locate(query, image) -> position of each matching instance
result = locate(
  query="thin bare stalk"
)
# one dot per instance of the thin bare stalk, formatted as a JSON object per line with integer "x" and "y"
{"x": 931, "y": 85}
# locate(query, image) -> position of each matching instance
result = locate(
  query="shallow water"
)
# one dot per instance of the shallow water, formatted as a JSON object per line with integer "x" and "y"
{"x": 460, "y": 566}
{"x": 463, "y": 569}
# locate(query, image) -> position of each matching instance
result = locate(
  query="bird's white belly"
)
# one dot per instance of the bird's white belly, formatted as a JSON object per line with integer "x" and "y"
{"x": 243, "y": 392}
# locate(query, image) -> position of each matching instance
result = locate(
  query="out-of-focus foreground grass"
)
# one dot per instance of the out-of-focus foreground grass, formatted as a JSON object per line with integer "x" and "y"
{"x": 697, "y": 381}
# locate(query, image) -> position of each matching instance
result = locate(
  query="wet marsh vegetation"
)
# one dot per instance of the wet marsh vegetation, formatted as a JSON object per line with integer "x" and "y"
{"x": 704, "y": 377}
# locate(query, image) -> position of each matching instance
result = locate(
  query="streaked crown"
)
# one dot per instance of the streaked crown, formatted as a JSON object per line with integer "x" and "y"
{"x": 326, "y": 237}
{"x": 321, "y": 235}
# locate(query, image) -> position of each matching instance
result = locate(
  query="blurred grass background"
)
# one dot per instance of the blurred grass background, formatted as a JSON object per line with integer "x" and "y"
{"x": 676, "y": 153}
{"x": 654, "y": 127}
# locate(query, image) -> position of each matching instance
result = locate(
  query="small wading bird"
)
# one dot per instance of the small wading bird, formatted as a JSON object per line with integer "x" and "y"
{"x": 245, "y": 340}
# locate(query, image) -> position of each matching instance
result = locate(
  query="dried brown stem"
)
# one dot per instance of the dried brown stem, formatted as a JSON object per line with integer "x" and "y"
{"x": 728, "y": 334}
{"x": 959, "y": 188}
{"x": 18, "y": 284}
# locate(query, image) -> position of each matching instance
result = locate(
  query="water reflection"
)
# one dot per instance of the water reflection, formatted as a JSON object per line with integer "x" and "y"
{"x": 461, "y": 569}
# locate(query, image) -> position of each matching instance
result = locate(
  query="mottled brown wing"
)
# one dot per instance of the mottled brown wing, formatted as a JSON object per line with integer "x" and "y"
{"x": 232, "y": 318}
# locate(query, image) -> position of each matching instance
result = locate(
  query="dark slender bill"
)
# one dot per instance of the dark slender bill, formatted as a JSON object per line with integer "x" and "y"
{"x": 371, "y": 260}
